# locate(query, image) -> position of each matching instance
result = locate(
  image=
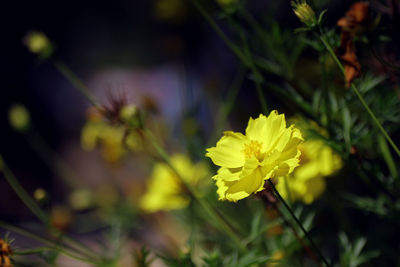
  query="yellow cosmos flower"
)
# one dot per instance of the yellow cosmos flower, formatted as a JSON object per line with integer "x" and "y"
{"x": 269, "y": 149}
{"x": 165, "y": 190}
{"x": 307, "y": 182}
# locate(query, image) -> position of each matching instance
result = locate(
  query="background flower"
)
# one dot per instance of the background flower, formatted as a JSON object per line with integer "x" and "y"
{"x": 165, "y": 191}
{"x": 318, "y": 160}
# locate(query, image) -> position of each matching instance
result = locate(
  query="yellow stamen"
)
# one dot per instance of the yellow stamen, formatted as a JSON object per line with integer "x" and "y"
{"x": 253, "y": 148}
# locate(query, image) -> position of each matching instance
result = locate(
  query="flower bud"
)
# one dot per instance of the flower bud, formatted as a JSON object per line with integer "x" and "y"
{"x": 19, "y": 117}
{"x": 130, "y": 115}
{"x": 38, "y": 43}
{"x": 304, "y": 12}
{"x": 40, "y": 194}
{"x": 81, "y": 199}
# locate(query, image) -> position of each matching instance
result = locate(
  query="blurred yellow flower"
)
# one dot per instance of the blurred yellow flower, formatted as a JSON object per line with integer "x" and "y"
{"x": 307, "y": 182}
{"x": 276, "y": 257}
{"x": 38, "y": 43}
{"x": 19, "y": 117}
{"x": 269, "y": 149}
{"x": 165, "y": 190}
{"x": 113, "y": 139}
{"x": 81, "y": 199}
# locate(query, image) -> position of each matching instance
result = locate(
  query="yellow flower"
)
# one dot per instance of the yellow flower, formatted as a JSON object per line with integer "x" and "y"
{"x": 165, "y": 190}
{"x": 114, "y": 140}
{"x": 307, "y": 182}
{"x": 304, "y": 12}
{"x": 269, "y": 149}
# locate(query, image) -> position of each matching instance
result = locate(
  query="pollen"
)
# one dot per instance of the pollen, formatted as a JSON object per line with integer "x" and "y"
{"x": 253, "y": 148}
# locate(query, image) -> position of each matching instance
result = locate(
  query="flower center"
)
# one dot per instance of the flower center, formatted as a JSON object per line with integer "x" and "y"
{"x": 253, "y": 148}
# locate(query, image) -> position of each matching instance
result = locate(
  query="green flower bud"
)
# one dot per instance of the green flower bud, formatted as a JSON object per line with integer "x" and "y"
{"x": 304, "y": 12}
{"x": 130, "y": 115}
{"x": 38, "y": 43}
{"x": 19, "y": 117}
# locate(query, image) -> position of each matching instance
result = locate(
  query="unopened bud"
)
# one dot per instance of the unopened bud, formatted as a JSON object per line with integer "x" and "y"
{"x": 19, "y": 117}
{"x": 39, "y": 194}
{"x": 81, "y": 199}
{"x": 304, "y": 12}
{"x": 38, "y": 43}
{"x": 130, "y": 115}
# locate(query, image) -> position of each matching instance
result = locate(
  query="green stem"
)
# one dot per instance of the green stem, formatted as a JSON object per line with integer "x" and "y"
{"x": 76, "y": 82}
{"x": 52, "y": 160}
{"x": 387, "y": 156}
{"x": 245, "y": 58}
{"x": 371, "y": 113}
{"x": 227, "y": 106}
{"x": 298, "y": 223}
{"x": 218, "y": 30}
{"x": 257, "y": 76}
{"x": 36, "y": 210}
{"x": 69, "y": 252}
{"x": 360, "y": 97}
{"x": 287, "y": 188}
{"x": 204, "y": 204}
{"x": 32, "y": 251}
{"x": 22, "y": 194}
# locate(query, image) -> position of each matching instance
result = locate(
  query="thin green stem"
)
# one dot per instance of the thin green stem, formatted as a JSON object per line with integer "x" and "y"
{"x": 256, "y": 73}
{"x": 245, "y": 58}
{"x": 76, "y": 82}
{"x": 22, "y": 194}
{"x": 218, "y": 30}
{"x": 360, "y": 97}
{"x": 32, "y": 251}
{"x": 287, "y": 188}
{"x": 387, "y": 156}
{"x": 227, "y": 106}
{"x": 52, "y": 159}
{"x": 371, "y": 113}
{"x": 298, "y": 223}
{"x": 36, "y": 210}
{"x": 69, "y": 252}
{"x": 222, "y": 225}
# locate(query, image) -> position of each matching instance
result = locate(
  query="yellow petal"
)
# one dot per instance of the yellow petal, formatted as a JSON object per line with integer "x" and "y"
{"x": 229, "y": 150}
{"x": 245, "y": 186}
{"x": 275, "y": 127}
{"x": 227, "y": 175}
{"x": 256, "y": 128}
